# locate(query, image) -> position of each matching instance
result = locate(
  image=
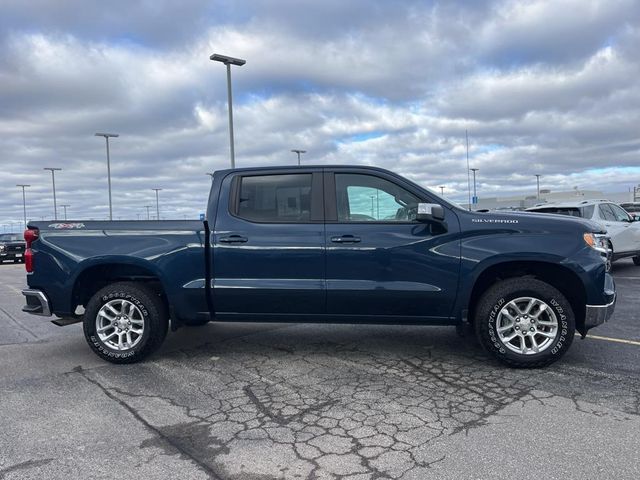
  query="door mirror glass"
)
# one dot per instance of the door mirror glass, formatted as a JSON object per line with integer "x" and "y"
{"x": 430, "y": 212}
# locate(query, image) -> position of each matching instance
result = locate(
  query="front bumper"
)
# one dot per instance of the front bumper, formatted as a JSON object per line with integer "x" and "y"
{"x": 37, "y": 303}
{"x": 599, "y": 314}
{"x": 11, "y": 256}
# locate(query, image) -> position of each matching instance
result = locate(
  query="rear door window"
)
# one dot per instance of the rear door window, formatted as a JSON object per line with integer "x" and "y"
{"x": 275, "y": 198}
{"x": 619, "y": 213}
{"x": 606, "y": 213}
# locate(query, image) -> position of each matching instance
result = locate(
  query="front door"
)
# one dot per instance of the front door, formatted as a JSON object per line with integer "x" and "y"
{"x": 624, "y": 234}
{"x": 380, "y": 261}
{"x": 268, "y": 255}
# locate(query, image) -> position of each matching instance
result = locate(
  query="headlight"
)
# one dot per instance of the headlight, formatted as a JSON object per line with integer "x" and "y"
{"x": 597, "y": 241}
{"x": 2, "y": 247}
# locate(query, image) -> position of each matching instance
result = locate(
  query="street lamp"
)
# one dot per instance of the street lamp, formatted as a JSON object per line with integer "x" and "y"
{"x": 538, "y": 182}
{"x": 157, "y": 203}
{"x": 148, "y": 207}
{"x": 298, "y": 152}
{"x": 106, "y": 137}
{"x": 65, "y": 210}
{"x": 53, "y": 179}
{"x": 475, "y": 196}
{"x": 24, "y": 203}
{"x": 228, "y": 61}
{"x": 441, "y": 187}
{"x": 211, "y": 175}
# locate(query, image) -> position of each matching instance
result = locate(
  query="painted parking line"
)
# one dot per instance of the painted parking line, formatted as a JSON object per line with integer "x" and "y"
{"x": 616, "y": 340}
{"x": 625, "y": 278}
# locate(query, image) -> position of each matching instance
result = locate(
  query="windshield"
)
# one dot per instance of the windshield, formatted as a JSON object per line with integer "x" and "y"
{"x": 631, "y": 207}
{"x": 10, "y": 237}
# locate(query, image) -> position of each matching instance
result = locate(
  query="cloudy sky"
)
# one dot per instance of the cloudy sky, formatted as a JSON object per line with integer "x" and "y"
{"x": 550, "y": 87}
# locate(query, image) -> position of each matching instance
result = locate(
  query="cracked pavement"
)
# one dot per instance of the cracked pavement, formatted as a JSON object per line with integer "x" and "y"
{"x": 265, "y": 401}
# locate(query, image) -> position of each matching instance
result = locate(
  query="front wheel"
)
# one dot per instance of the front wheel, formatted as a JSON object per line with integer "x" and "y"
{"x": 524, "y": 322}
{"x": 636, "y": 261}
{"x": 125, "y": 322}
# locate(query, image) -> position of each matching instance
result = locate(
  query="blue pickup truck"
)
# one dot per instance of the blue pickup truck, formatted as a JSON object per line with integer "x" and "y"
{"x": 327, "y": 245}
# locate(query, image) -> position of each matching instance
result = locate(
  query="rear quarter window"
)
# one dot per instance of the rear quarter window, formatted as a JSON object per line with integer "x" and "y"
{"x": 587, "y": 212}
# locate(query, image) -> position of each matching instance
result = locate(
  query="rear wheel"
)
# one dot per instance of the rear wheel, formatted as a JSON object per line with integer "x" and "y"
{"x": 524, "y": 322}
{"x": 125, "y": 322}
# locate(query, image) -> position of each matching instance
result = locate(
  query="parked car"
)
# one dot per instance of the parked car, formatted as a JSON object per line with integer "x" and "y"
{"x": 330, "y": 245}
{"x": 12, "y": 247}
{"x": 633, "y": 208}
{"x": 621, "y": 227}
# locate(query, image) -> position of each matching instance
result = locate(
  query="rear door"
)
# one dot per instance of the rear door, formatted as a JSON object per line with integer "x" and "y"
{"x": 268, "y": 244}
{"x": 380, "y": 261}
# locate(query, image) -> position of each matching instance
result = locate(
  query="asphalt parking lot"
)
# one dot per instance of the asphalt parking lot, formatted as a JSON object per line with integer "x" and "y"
{"x": 249, "y": 401}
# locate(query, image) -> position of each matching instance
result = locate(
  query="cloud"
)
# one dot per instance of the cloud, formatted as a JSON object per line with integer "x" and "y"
{"x": 548, "y": 86}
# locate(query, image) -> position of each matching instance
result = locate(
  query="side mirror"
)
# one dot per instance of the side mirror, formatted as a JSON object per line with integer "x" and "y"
{"x": 430, "y": 212}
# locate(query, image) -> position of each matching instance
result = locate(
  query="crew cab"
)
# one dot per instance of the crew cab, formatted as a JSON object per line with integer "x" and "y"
{"x": 325, "y": 244}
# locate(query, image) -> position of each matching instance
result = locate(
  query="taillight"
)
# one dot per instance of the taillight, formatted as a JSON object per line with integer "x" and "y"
{"x": 30, "y": 235}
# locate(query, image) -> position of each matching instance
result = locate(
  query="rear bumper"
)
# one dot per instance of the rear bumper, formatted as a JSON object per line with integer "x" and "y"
{"x": 599, "y": 314}
{"x": 37, "y": 303}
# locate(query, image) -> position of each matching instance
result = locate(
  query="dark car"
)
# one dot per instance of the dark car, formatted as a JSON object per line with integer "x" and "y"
{"x": 325, "y": 244}
{"x": 12, "y": 247}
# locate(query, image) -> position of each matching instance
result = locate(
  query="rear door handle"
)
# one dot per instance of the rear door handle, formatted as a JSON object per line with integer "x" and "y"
{"x": 345, "y": 239}
{"x": 233, "y": 239}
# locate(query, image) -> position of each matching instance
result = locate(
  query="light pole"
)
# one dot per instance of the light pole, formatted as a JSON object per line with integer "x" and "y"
{"x": 475, "y": 196}
{"x": 466, "y": 136}
{"x": 157, "y": 203}
{"x": 65, "y": 210}
{"x": 148, "y": 207}
{"x": 210, "y": 174}
{"x": 24, "y": 203}
{"x": 106, "y": 137}
{"x": 228, "y": 61}
{"x": 441, "y": 187}
{"x": 538, "y": 182}
{"x": 53, "y": 179}
{"x": 298, "y": 152}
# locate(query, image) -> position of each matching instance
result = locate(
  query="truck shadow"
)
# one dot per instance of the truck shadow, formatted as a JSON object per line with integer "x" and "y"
{"x": 358, "y": 389}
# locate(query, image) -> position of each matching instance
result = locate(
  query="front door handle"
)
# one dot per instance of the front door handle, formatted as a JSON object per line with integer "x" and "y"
{"x": 233, "y": 239}
{"x": 345, "y": 239}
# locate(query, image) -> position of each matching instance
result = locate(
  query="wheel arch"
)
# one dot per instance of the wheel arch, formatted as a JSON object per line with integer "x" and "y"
{"x": 558, "y": 276}
{"x": 96, "y": 275}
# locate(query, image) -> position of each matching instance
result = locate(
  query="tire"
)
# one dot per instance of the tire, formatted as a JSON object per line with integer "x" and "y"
{"x": 147, "y": 316}
{"x": 636, "y": 261}
{"x": 497, "y": 308}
